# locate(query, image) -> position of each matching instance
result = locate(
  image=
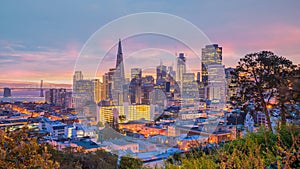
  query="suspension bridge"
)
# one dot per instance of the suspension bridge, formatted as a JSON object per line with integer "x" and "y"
{"x": 7, "y": 91}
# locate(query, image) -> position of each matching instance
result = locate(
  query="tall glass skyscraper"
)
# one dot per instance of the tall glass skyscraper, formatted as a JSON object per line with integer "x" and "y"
{"x": 181, "y": 68}
{"x": 211, "y": 54}
{"x": 118, "y": 78}
{"x": 216, "y": 84}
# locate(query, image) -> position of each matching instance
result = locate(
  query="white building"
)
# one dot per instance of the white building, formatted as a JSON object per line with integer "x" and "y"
{"x": 123, "y": 145}
{"x": 77, "y": 130}
{"x": 216, "y": 85}
{"x": 56, "y": 129}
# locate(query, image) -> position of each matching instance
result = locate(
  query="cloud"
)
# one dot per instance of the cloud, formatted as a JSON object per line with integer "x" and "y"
{"x": 44, "y": 38}
{"x": 37, "y": 63}
{"x": 282, "y": 39}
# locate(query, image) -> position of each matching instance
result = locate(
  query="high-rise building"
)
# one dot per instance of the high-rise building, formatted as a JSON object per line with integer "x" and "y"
{"x": 161, "y": 72}
{"x": 108, "y": 84}
{"x": 181, "y": 68}
{"x": 232, "y": 87}
{"x": 211, "y": 54}
{"x": 189, "y": 87}
{"x": 135, "y": 91}
{"x": 76, "y": 77}
{"x": 118, "y": 78}
{"x": 86, "y": 87}
{"x": 60, "y": 97}
{"x": 198, "y": 77}
{"x": 147, "y": 87}
{"x": 126, "y": 92}
{"x": 98, "y": 90}
{"x": 216, "y": 84}
{"x": 171, "y": 73}
{"x": 136, "y": 73}
{"x": 83, "y": 91}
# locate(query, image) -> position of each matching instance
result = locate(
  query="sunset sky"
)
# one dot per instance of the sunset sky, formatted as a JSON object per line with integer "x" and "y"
{"x": 41, "y": 40}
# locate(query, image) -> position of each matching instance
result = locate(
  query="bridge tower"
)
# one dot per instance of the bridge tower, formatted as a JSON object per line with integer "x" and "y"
{"x": 7, "y": 92}
{"x": 41, "y": 88}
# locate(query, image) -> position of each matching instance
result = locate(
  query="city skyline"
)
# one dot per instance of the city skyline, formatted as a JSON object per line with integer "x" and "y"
{"x": 149, "y": 84}
{"x": 40, "y": 50}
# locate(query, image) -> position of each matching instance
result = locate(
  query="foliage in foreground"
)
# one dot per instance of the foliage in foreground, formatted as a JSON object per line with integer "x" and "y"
{"x": 68, "y": 158}
{"x": 129, "y": 163}
{"x": 19, "y": 150}
{"x": 257, "y": 150}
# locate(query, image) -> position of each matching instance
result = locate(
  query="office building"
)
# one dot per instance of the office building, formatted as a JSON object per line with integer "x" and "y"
{"x": 211, "y": 54}
{"x": 135, "y": 91}
{"x": 98, "y": 87}
{"x": 130, "y": 112}
{"x": 171, "y": 74}
{"x": 59, "y": 97}
{"x": 76, "y": 77}
{"x": 198, "y": 77}
{"x": 232, "y": 87}
{"x": 147, "y": 87}
{"x": 108, "y": 84}
{"x": 216, "y": 84}
{"x": 181, "y": 68}
{"x": 136, "y": 73}
{"x": 189, "y": 89}
{"x": 161, "y": 72}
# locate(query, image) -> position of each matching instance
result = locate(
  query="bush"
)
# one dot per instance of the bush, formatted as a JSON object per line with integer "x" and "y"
{"x": 263, "y": 149}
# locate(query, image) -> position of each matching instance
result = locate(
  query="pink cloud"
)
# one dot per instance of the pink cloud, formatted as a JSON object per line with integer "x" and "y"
{"x": 43, "y": 63}
{"x": 283, "y": 40}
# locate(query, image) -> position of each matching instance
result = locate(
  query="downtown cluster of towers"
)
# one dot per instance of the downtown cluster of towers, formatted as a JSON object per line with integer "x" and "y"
{"x": 170, "y": 87}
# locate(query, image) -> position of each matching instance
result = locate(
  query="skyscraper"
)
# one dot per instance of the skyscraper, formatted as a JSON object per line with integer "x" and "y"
{"x": 76, "y": 77}
{"x": 232, "y": 87}
{"x": 171, "y": 73}
{"x": 136, "y": 73}
{"x": 198, "y": 77}
{"x": 97, "y": 90}
{"x": 189, "y": 88}
{"x": 118, "y": 78}
{"x": 161, "y": 72}
{"x": 181, "y": 68}
{"x": 60, "y": 97}
{"x": 108, "y": 83}
{"x": 135, "y": 91}
{"x": 211, "y": 54}
{"x": 217, "y": 84}
{"x": 83, "y": 91}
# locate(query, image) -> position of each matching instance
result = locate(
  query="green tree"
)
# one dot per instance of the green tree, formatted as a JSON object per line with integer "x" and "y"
{"x": 263, "y": 149}
{"x": 18, "y": 150}
{"x": 100, "y": 124}
{"x": 71, "y": 158}
{"x": 261, "y": 77}
{"x": 130, "y": 163}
